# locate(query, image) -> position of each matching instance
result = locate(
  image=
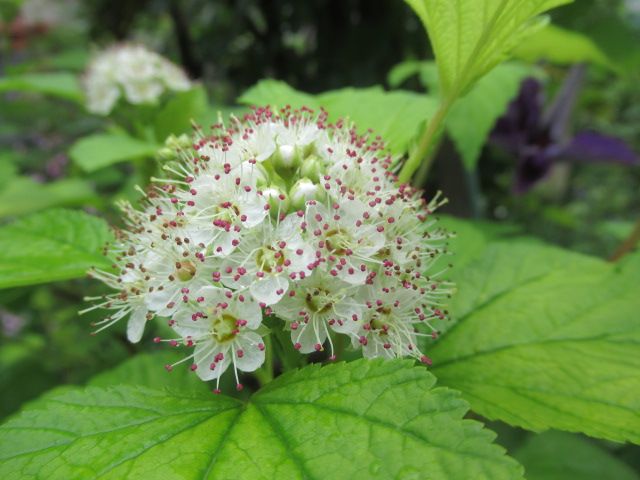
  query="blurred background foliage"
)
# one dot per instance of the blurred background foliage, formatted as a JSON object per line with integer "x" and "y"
{"x": 314, "y": 46}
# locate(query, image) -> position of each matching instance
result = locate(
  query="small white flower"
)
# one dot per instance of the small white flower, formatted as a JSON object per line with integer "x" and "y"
{"x": 268, "y": 258}
{"x": 129, "y": 300}
{"x": 347, "y": 235}
{"x": 222, "y": 326}
{"x": 389, "y": 327}
{"x": 315, "y": 305}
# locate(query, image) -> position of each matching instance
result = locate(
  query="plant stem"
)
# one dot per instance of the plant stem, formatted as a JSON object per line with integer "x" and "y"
{"x": 420, "y": 178}
{"x": 265, "y": 373}
{"x": 425, "y": 151}
{"x": 628, "y": 245}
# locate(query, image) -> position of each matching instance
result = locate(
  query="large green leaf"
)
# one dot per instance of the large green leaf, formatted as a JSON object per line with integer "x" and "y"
{"x": 22, "y": 195}
{"x": 176, "y": 116}
{"x": 561, "y": 46}
{"x": 276, "y": 93}
{"x": 396, "y": 116}
{"x": 147, "y": 370}
{"x": 470, "y": 238}
{"x": 62, "y": 85}
{"x": 51, "y": 245}
{"x": 470, "y": 37}
{"x": 472, "y": 117}
{"x": 359, "y": 420}
{"x": 7, "y": 170}
{"x": 547, "y": 339}
{"x": 563, "y": 456}
{"x": 103, "y": 149}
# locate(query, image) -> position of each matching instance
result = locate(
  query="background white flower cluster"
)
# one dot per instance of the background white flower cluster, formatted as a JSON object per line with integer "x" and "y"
{"x": 287, "y": 216}
{"x": 132, "y": 72}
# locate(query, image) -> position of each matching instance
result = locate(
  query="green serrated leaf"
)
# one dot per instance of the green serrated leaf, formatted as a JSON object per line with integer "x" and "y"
{"x": 22, "y": 195}
{"x": 97, "y": 151}
{"x": 547, "y": 339}
{"x": 366, "y": 419}
{"x": 470, "y": 239}
{"x": 470, "y": 37}
{"x": 563, "y": 456}
{"x": 147, "y": 370}
{"x": 396, "y": 116}
{"x": 563, "y": 47}
{"x": 57, "y": 84}
{"x": 176, "y": 116}
{"x": 51, "y": 245}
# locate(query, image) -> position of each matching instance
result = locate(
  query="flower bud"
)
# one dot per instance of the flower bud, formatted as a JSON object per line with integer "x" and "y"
{"x": 166, "y": 154}
{"x": 183, "y": 141}
{"x": 286, "y": 159}
{"x": 312, "y": 167}
{"x": 303, "y": 190}
{"x": 171, "y": 147}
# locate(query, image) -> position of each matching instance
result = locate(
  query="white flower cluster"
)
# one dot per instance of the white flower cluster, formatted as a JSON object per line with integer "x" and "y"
{"x": 287, "y": 216}
{"x": 61, "y": 13}
{"x": 133, "y": 72}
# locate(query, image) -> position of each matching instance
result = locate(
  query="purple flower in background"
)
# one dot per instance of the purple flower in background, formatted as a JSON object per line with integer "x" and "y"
{"x": 539, "y": 137}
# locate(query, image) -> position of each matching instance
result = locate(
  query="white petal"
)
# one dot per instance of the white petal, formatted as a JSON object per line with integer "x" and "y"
{"x": 308, "y": 335}
{"x": 136, "y": 323}
{"x": 265, "y": 290}
{"x": 253, "y": 206}
{"x": 374, "y": 349}
{"x": 212, "y": 295}
{"x": 158, "y": 300}
{"x": 248, "y": 310}
{"x": 345, "y": 322}
{"x": 370, "y": 241}
{"x": 358, "y": 277}
{"x": 224, "y": 240}
{"x": 252, "y": 357}
{"x": 205, "y": 354}
{"x": 185, "y": 326}
{"x": 287, "y": 309}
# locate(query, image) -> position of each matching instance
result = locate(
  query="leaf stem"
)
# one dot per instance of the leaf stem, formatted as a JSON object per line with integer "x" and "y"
{"x": 628, "y": 245}
{"x": 425, "y": 151}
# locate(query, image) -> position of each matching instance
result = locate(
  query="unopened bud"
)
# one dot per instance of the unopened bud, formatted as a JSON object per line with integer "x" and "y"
{"x": 311, "y": 168}
{"x": 172, "y": 145}
{"x": 286, "y": 158}
{"x": 303, "y": 190}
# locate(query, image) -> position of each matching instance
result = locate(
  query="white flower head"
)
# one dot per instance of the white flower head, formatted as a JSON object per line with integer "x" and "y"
{"x": 133, "y": 73}
{"x": 288, "y": 217}
{"x": 221, "y": 326}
